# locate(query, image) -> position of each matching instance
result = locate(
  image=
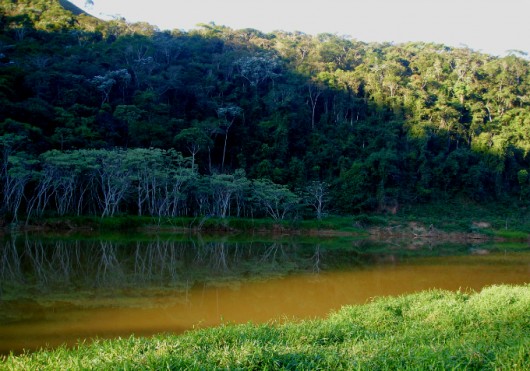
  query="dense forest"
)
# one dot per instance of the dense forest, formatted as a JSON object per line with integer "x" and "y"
{"x": 106, "y": 117}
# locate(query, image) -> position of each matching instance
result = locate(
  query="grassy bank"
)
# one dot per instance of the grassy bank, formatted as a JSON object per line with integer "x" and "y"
{"x": 429, "y": 330}
{"x": 204, "y": 224}
{"x": 428, "y": 220}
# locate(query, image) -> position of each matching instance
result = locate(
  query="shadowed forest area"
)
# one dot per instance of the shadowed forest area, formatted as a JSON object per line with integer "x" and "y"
{"x": 108, "y": 117}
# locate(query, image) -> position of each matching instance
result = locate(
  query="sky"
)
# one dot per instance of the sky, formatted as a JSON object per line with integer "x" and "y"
{"x": 489, "y": 26}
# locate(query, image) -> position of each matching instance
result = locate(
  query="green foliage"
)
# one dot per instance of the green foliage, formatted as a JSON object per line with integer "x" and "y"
{"x": 512, "y": 235}
{"x": 383, "y": 125}
{"x": 369, "y": 220}
{"x": 428, "y": 330}
{"x": 277, "y": 200}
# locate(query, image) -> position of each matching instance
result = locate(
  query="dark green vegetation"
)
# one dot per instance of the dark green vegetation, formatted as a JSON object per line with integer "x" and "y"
{"x": 102, "y": 118}
{"x": 431, "y": 330}
{"x": 449, "y": 220}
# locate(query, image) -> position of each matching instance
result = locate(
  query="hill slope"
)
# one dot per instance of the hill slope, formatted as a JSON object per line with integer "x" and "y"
{"x": 380, "y": 125}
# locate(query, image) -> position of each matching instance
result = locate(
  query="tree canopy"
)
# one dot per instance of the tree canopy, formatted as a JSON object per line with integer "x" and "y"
{"x": 379, "y": 124}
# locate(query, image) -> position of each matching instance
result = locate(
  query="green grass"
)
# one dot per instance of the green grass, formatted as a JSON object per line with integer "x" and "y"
{"x": 459, "y": 216}
{"x": 512, "y": 235}
{"x": 429, "y": 330}
{"x": 203, "y": 224}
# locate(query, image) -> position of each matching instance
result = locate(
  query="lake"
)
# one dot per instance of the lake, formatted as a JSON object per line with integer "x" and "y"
{"x": 56, "y": 289}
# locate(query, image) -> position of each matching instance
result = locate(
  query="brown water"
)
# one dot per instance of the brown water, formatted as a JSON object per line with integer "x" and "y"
{"x": 289, "y": 296}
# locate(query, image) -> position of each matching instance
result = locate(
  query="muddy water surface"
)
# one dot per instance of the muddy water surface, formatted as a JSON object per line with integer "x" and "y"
{"x": 62, "y": 292}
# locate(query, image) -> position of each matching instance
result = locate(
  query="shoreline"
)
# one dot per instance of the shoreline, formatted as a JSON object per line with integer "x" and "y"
{"x": 485, "y": 329}
{"x": 336, "y": 227}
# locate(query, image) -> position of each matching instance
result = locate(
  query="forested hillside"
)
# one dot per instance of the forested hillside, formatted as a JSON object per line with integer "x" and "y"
{"x": 107, "y": 117}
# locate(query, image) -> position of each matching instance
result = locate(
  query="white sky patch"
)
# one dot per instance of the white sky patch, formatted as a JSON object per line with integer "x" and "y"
{"x": 490, "y": 26}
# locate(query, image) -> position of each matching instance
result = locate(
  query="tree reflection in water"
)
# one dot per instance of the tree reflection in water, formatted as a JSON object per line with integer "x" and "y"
{"x": 43, "y": 265}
